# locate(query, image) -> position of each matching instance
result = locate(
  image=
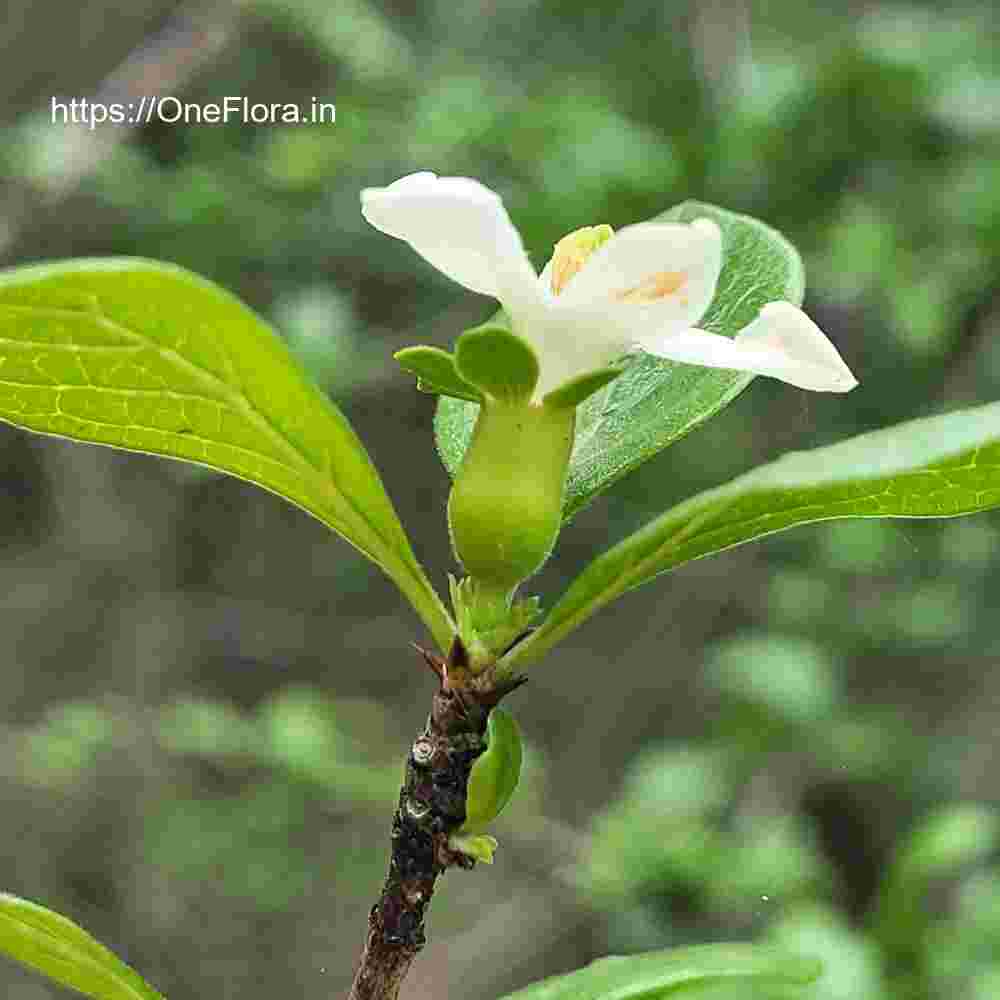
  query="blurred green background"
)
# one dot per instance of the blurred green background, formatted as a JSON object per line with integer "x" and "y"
{"x": 207, "y": 698}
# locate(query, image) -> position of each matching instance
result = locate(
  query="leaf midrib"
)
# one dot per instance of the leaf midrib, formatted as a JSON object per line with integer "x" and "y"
{"x": 232, "y": 397}
{"x": 625, "y": 580}
{"x": 96, "y": 961}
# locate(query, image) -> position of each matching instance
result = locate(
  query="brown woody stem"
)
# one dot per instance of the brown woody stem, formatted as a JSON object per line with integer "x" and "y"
{"x": 431, "y": 808}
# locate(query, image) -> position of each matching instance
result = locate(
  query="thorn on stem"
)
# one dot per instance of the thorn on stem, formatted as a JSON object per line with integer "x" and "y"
{"x": 435, "y": 663}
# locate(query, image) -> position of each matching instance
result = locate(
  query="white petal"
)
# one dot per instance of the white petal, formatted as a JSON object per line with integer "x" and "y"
{"x": 565, "y": 352}
{"x": 782, "y": 343}
{"x": 462, "y": 228}
{"x": 654, "y": 274}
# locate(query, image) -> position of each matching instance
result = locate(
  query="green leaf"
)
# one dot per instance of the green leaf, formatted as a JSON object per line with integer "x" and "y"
{"x": 436, "y": 372}
{"x": 933, "y": 467}
{"x": 148, "y": 357}
{"x": 497, "y": 361}
{"x": 495, "y": 773}
{"x": 675, "y": 972}
{"x": 656, "y": 402}
{"x": 56, "y": 947}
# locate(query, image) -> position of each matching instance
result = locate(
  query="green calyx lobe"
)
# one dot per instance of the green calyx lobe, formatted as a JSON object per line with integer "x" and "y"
{"x": 490, "y": 361}
{"x": 578, "y": 389}
{"x": 436, "y": 372}
{"x": 493, "y": 361}
{"x": 498, "y": 362}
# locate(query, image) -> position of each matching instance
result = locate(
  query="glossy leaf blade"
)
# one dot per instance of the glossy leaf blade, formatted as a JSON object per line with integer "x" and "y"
{"x": 659, "y": 974}
{"x": 56, "y": 947}
{"x": 151, "y": 358}
{"x": 933, "y": 467}
{"x": 656, "y": 402}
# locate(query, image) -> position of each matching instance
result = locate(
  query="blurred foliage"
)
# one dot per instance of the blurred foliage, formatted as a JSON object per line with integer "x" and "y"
{"x": 208, "y": 701}
{"x": 720, "y": 838}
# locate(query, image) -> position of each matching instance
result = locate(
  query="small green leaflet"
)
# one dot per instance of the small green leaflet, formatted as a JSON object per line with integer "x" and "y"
{"x": 933, "y": 467}
{"x": 56, "y": 947}
{"x": 148, "y": 357}
{"x": 678, "y": 972}
{"x": 436, "y": 372}
{"x": 495, "y": 773}
{"x": 656, "y": 402}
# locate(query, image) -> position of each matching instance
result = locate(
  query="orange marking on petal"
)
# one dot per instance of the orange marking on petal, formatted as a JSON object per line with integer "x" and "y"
{"x": 656, "y": 286}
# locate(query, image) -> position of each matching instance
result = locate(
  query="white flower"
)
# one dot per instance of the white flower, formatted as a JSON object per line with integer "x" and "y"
{"x": 645, "y": 287}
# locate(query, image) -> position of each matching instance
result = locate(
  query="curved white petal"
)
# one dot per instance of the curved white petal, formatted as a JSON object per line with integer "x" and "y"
{"x": 462, "y": 228}
{"x": 782, "y": 343}
{"x": 564, "y": 352}
{"x": 653, "y": 274}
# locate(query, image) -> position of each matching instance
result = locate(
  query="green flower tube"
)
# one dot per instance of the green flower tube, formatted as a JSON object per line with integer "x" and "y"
{"x": 505, "y": 508}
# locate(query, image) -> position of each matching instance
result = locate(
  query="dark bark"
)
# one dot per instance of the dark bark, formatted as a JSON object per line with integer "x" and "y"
{"x": 431, "y": 808}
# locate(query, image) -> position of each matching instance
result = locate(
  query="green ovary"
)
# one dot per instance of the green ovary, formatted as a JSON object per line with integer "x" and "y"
{"x": 505, "y": 509}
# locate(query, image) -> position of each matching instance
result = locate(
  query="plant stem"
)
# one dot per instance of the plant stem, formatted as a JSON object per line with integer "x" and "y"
{"x": 431, "y": 807}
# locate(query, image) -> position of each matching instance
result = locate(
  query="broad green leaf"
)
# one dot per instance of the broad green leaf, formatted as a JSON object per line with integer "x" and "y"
{"x": 677, "y": 972}
{"x": 497, "y": 361}
{"x": 655, "y": 402}
{"x": 56, "y": 947}
{"x": 933, "y": 467}
{"x": 148, "y": 357}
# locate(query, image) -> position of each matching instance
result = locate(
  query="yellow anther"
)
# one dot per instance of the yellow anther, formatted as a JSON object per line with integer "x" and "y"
{"x": 656, "y": 286}
{"x": 572, "y": 251}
